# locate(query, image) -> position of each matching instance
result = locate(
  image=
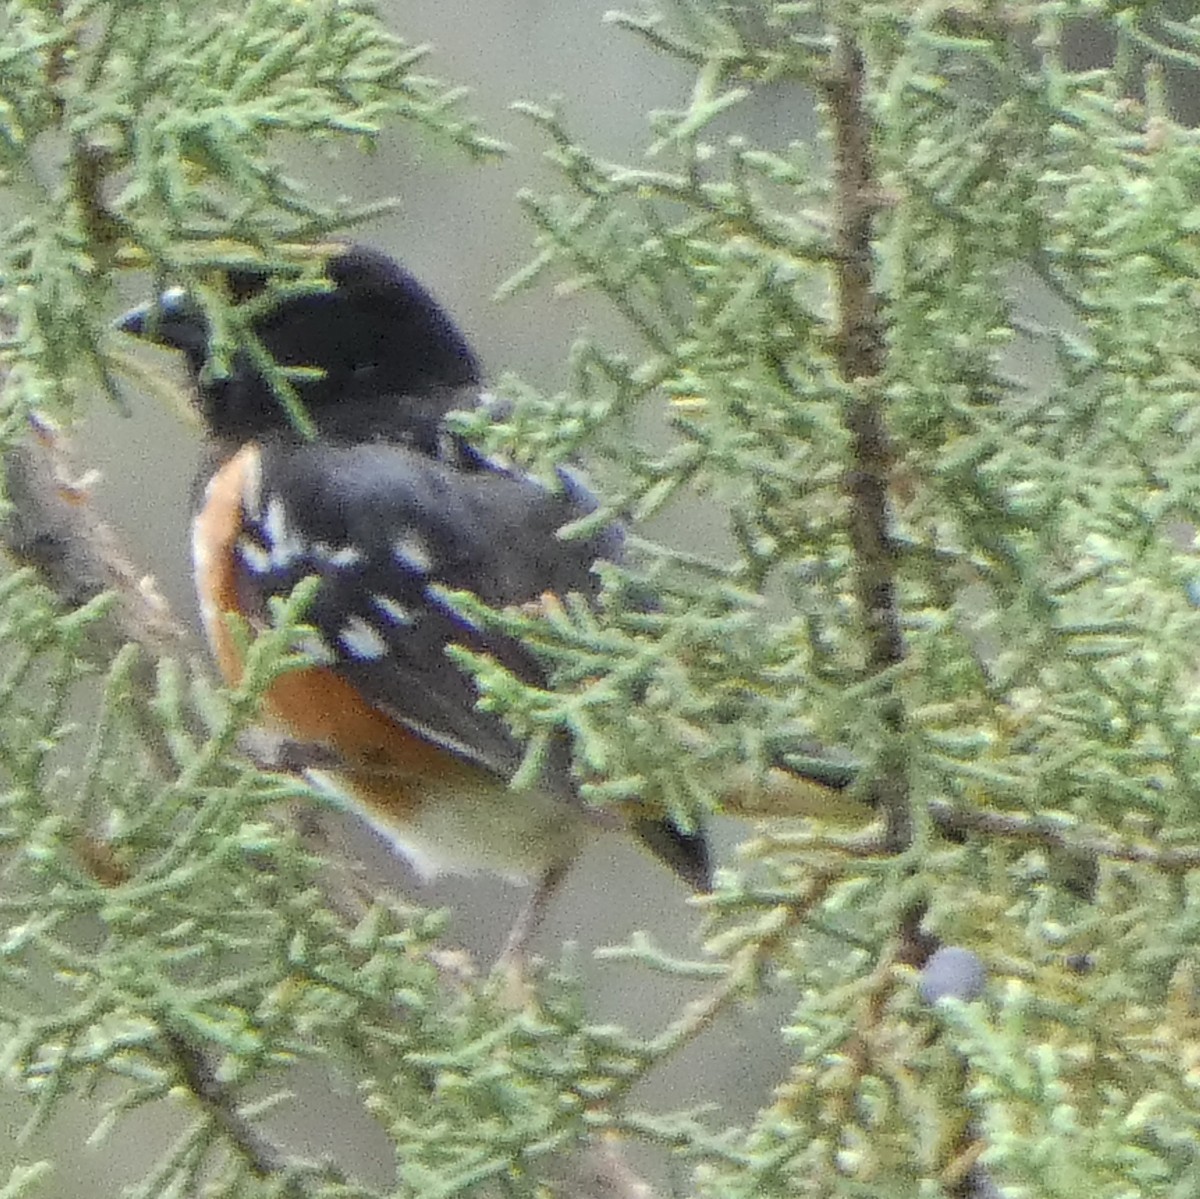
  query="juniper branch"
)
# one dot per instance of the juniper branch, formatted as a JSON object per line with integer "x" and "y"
{"x": 860, "y": 356}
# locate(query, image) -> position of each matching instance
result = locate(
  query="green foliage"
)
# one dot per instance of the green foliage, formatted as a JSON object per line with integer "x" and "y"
{"x": 163, "y": 937}
{"x": 1049, "y": 630}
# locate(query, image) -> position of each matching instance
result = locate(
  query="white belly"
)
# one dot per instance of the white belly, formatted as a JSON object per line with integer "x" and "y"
{"x": 518, "y": 835}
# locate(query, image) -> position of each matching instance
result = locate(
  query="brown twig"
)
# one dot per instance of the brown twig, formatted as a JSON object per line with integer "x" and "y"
{"x": 1060, "y": 834}
{"x": 861, "y": 357}
{"x": 860, "y": 353}
{"x": 219, "y": 1104}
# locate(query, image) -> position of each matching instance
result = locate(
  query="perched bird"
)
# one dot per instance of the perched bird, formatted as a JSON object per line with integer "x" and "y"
{"x": 381, "y": 505}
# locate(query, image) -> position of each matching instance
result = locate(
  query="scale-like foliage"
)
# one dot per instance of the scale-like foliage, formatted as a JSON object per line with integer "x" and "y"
{"x": 839, "y": 337}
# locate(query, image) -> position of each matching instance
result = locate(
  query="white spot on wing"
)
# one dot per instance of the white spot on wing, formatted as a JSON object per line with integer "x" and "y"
{"x": 361, "y": 640}
{"x": 276, "y": 524}
{"x": 254, "y": 556}
{"x": 392, "y": 608}
{"x": 284, "y": 544}
{"x": 410, "y": 550}
{"x": 339, "y": 556}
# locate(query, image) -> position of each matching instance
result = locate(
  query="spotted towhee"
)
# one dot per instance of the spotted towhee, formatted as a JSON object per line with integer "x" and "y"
{"x": 381, "y": 504}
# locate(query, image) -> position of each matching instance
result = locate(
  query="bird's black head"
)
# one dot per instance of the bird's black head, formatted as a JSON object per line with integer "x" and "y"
{"x": 387, "y": 350}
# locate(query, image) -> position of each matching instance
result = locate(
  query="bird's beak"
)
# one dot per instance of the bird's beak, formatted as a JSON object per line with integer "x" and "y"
{"x": 134, "y": 321}
{"x": 154, "y": 320}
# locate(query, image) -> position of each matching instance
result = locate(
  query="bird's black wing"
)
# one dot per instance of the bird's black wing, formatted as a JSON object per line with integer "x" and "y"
{"x": 381, "y": 525}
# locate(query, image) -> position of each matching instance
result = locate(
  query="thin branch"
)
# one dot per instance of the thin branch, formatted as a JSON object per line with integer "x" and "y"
{"x": 264, "y": 1159}
{"x": 860, "y": 355}
{"x": 1062, "y": 835}
{"x": 1059, "y": 834}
